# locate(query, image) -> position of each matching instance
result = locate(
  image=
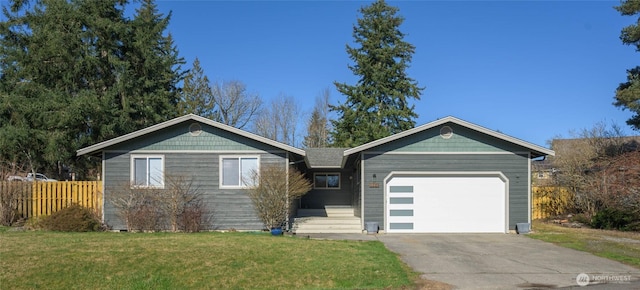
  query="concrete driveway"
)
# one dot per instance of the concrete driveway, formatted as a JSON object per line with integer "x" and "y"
{"x": 504, "y": 261}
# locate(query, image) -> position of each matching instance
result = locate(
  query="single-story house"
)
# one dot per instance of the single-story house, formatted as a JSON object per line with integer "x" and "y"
{"x": 445, "y": 176}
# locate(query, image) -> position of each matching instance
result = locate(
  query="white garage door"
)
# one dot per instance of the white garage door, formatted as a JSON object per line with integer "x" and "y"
{"x": 446, "y": 204}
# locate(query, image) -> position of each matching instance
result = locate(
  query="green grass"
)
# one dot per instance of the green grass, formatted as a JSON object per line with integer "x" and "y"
{"x": 54, "y": 260}
{"x": 615, "y": 245}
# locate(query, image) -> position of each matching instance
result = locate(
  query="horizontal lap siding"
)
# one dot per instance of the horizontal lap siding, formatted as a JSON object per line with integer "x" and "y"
{"x": 514, "y": 167}
{"x": 230, "y": 208}
{"x": 116, "y": 178}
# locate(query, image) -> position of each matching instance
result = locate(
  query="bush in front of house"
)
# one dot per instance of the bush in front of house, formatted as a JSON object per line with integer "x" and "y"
{"x": 74, "y": 218}
{"x": 177, "y": 207}
{"x": 615, "y": 219}
{"x": 274, "y": 192}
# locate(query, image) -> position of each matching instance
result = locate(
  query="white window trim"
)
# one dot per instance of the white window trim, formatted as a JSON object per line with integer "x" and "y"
{"x": 132, "y": 170}
{"x": 326, "y": 174}
{"x": 220, "y": 169}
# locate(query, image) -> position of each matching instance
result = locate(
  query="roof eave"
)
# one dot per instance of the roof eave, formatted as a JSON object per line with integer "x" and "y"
{"x": 97, "y": 147}
{"x": 534, "y": 148}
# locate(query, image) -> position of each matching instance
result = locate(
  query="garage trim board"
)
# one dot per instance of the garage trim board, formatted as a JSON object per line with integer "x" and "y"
{"x": 446, "y": 202}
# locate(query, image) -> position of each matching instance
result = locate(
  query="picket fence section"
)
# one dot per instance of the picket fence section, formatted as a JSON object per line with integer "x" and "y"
{"x": 44, "y": 198}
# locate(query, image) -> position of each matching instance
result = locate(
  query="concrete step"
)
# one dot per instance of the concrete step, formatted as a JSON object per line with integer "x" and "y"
{"x": 311, "y": 225}
{"x": 328, "y": 211}
{"x": 307, "y": 212}
{"x": 328, "y": 221}
{"x": 328, "y": 231}
{"x": 339, "y": 210}
{"x": 327, "y": 228}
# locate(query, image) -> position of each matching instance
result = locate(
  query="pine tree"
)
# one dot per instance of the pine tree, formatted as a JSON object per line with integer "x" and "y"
{"x": 628, "y": 93}
{"x": 378, "y": 105}
{"x": 196, "y": 96}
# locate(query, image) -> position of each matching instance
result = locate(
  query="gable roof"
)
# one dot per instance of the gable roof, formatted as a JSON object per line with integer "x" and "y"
{"x": 190, "y": 117}
{"x": 324, "y": 157}
{"x": 537, "y": 151}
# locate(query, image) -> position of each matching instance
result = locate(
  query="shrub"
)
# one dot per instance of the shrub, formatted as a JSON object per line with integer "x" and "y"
{"x": 178, "y": 207}
{"x": 194, "y": 217}
{"x": 74, "y": 218}
{"x": 614, "y": 219}
{"x": 34, "y": 223}
{"x": 11, "y": 194}
{"x": 145, "y": 217}
{"x": 182, "y": 204}
{"x": 272, "y": 196}
{"x": 581, "y": 218}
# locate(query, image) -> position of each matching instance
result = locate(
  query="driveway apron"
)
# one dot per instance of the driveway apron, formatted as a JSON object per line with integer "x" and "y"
{"x": 503, "y": 261}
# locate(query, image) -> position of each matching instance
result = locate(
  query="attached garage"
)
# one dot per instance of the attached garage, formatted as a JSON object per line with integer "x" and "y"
{"x": 447, "y": 176}
{"x": 447, "y": 202}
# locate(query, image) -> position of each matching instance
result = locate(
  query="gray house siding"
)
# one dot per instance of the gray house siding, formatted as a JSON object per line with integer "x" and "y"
{"x": 317, "y": 198}
{"x": 462, "y": 140}
{"x": 229, "y": 208}
{"x": 357, "y": 185}
{"x": 513, "y": 166}
{"x": 178, "y": 138}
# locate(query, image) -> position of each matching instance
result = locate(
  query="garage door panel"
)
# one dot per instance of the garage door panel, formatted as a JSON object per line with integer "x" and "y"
{"x": 451, "y": 204}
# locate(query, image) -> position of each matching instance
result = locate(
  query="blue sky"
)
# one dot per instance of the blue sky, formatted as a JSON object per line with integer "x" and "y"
{"x": 531, "y": 69}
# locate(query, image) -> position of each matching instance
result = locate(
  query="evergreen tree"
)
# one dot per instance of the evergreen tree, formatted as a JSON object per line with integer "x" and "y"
{"x": 196, "y": 96}
{"x": 74, "y": 73}
{"x": 318, "y": 124}
{"x": 55, "y": 68}
{"x": 628, "y": 93}
{"x": 378, "y": 105}
{"x": 153, "y": 69}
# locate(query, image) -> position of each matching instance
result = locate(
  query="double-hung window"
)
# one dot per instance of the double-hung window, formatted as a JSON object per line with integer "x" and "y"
{"x": 326, "y": 180}
{"x": 147, "y": 171}
{"x": 238, "y": 171}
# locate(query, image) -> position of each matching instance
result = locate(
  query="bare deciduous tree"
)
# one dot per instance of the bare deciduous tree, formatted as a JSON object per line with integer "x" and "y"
{"x": 276, "y": 189}
{"x": 581, "y": 162}
{"x": 236, "y": 106}
{"x": 279, "y": 121}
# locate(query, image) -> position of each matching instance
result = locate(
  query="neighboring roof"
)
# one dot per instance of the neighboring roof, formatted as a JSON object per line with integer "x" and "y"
{"x": 536, "y": 150}
{"x": 178, "y": 120}
{"x": 324, "y": 157}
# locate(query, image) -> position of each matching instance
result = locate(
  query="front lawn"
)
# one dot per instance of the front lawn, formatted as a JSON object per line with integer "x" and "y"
{"x": 615, "y": 245}
{"x": 54, "y": 260}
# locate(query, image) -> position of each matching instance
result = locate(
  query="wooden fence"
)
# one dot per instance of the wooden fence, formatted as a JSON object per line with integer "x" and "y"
{"x": 32, "y": 199}
{"x": 550, "y": 201}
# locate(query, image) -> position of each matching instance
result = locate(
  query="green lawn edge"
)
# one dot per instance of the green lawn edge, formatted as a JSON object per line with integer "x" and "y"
{"x": 618, "y": 246}
{"x": 249, "y": 260}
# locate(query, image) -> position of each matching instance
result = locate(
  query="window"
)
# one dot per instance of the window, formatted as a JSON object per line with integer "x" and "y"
{"x": 237, "y": 171}
{"x": 147, "y": 171}
{"x": 326, "y": 180}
